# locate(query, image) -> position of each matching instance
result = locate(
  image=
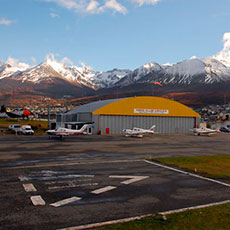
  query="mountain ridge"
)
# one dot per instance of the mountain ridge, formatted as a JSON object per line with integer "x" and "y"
{"x": 57, "y": 79}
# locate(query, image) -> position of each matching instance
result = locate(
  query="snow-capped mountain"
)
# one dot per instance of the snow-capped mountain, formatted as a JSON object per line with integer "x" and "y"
{"x": 7, "y": 70}
{"x": 194, "y": 70}
{"x": 215, "y": 69}
{"x": 59, "y": 78}
{"x": 84, "y": 75}
{"x": 37, "y": 74}
{"x": 109, "y": 78}
{"x": 52, "y": 69}
{"x": 198, "y": 71}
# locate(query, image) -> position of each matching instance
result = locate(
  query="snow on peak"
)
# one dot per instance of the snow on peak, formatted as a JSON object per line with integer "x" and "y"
{"x": 84, "y": 75}
{"x": 215, "y": 70}
{"x": 18, "y": 66}
{"x": 152, "y": 65}
{"x": 167, "y": 64}
{"x": 193, "y": 57}
{"x": 109, "y": 78}
{"x": 224, "y": 55}
{"x": 146, "y": 69}
{"x": 187, "y": 68}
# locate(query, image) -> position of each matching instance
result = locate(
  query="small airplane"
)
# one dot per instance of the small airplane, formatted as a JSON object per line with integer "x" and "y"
{"x": 138, "y": 132}
{"x": 205, "y": 131}
{"x": 15, "y": 114}
{"x": 60, "y": 132}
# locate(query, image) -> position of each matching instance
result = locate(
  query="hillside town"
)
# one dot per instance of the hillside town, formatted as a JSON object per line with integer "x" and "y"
{"x": 209, "y": 114}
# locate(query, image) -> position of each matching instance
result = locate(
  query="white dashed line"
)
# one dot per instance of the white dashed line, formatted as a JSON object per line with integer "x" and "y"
{"x": 187, "y": 173}
{"x": 37, "y": 201}
{"x": 66, "y": 201}
{"x": 102, "y": 190}
{"x": 131, "y": 180}
{"x": 29, "y": 188}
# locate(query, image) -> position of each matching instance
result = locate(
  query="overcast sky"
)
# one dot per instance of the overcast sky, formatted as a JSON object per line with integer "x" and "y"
{"x": 107, "y": 34}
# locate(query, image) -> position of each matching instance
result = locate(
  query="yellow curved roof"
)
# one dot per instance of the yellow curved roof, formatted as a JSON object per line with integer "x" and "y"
{"x": 147, "y": 106}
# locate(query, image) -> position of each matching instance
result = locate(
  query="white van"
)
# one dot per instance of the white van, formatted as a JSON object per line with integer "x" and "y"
{"x": 27, "y": 130}
{"x": 15, "y": 128}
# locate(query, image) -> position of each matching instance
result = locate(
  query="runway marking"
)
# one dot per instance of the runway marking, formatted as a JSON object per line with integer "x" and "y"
{"x": 87, "y": 180}
{"x": 95, "y": 225}
{"x": 23, "y": 178}
{"x": 45, "y": 178}
{"x": 71, "y": 186}
{"x": 77, "y": 163}
{"x": 131, "y": 180}
{"x": 194, "y": 207}
{"x": 187, "y": 173}
{"x": 102, "y": 190}
{"x": 29, "y": 188}
{"x": 65, "y": 201}
{"x": 37, "y": 200}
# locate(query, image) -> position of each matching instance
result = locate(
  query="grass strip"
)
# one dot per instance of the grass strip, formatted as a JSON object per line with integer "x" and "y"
{"x": 212, "y": 218}
{"x": 216, "y": 166}
{"x": 39, "y": 126}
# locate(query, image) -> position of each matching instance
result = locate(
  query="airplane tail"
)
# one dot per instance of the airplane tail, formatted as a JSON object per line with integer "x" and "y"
{"x": 153, "y": 128}
{"x": 3, "y": 109}
{"x": 83, "y": 128}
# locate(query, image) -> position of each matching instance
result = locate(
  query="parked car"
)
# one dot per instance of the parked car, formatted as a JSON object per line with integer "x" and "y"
{"x": 15, "y": 128}
{"x": 224, "y": 130}
{"x": 27, "y": 130}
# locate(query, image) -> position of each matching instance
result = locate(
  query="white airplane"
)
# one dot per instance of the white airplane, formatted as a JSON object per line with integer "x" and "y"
{"x": 60, "y": 132}
{"x": 138, "y": 132}
{"x": 205, "y": 131}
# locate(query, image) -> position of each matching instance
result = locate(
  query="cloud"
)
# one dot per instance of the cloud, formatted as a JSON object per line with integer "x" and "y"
{"x": 34, "y": 60}
{"x": 51, "y": 58}
{"x": 142, "y": 2}
{"x": 6, "y": 22}
{"x": 76, "y": 5}
{"x": 53, "y": 15}
{"x": 99, "y": 6}
{"x": 93, "y": 6}
{"x": 226, "y": 40}
{"x": 85, "y": 67}
{"x": 114, "y": 5}
{"x": 15, "y": 63}
{"x": 66, "y": 60}
{"x": 224, "y": 55}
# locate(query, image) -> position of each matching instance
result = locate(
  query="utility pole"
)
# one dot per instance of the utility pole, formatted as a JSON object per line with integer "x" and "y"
{"x": 48, "y": 115}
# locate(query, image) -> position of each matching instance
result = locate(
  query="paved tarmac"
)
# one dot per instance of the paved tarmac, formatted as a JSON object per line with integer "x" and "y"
{"x": 54, "y": 184}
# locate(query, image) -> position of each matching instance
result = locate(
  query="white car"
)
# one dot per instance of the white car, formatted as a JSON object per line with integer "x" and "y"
{"x": 27, "y": 130}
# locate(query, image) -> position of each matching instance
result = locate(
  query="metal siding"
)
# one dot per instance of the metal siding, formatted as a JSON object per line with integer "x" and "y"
{"x": 163, "y": 124}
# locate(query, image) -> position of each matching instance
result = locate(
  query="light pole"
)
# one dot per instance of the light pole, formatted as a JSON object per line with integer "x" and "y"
{"x": 48, "y": 115}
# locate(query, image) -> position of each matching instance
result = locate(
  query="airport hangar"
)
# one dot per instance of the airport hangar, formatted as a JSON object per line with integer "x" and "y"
{"x": 114, "y": 115}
